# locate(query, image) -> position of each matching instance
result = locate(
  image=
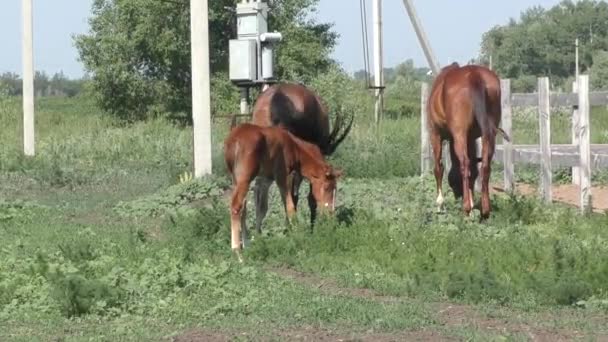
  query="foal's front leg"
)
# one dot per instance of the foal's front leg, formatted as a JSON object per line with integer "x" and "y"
{"x": 285, "y": 187}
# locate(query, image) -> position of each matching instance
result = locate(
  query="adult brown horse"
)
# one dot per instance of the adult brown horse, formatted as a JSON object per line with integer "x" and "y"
{"x": 464, "y": 105}
{"x": 302, "y": 112}
{"x": 274, "y": 155}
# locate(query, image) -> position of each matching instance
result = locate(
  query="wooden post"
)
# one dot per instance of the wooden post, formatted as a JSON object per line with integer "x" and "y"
{"x": 544, "y": 118}
{"x": 378, "y": 60}
{"x": 478, "y": 153}
{"x": 507, "y": 123}
{"x": 447, "y": 161}
{"x": 425, "y": 145}
{"x": 584, "y": 143}
{"x": 201, "y": 93}
{"x": 575, "y": 132}
{"x": 29, "y": 141}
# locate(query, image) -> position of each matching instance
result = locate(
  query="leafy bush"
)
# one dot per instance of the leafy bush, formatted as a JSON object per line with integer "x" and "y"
{"x": 175, "y": 198}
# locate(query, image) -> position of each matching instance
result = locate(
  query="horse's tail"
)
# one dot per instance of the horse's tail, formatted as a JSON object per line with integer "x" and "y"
{"x": 339, "y": 132}
{"x": 480, "y": 109}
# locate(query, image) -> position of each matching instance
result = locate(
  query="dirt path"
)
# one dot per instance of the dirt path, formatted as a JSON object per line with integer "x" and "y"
{"x": 565, "y": 193}
{"x": 450, "y": 317}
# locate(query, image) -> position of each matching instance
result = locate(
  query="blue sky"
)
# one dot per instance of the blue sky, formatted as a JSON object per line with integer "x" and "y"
{"x": 453, "y": 27}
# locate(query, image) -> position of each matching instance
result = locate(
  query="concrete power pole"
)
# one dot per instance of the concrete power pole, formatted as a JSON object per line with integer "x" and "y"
{"x": 576, "y": 70}
{"x": 201, "y": 92}
{"x": 29, "y": 141}
{"x": 378, "y": 60}
{"x": 426, "y": 47}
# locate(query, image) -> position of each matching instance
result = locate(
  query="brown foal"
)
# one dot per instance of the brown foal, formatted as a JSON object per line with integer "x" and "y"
{"x": 272, "y": 154}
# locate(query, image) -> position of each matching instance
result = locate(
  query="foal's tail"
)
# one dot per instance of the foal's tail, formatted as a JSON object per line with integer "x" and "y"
{"x": 480, "y": 109}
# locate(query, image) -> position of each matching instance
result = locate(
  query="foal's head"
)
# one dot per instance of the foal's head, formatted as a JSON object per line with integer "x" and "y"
{"x": 324, "y": 187}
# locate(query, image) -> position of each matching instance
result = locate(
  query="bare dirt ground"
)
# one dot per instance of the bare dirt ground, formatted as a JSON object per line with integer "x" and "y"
{"x": 449, "y": 315}
{"x": 565, "y": 193}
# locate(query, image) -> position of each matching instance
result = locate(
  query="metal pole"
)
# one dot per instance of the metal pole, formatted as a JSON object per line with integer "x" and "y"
{"x": 244, "y": 100}
{"x": 378, "y": 60}
{"x": 426, "y": 47}
{"x": 29, "y": 140}
{"x": 201, "y": 93}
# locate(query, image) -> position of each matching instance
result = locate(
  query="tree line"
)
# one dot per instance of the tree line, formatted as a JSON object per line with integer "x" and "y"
{"x": 59, "y": 84}
{"x": 542, "y": 43}
{"x": 137, "y": 56}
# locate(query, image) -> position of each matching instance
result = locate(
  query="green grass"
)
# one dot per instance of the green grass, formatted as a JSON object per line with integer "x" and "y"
{"x": 101, "y": 242}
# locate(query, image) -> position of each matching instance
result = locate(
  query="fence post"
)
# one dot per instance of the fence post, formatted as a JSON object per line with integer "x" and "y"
{"x": 544, "y": 117}
{"x": 425, "y": 152}
{"x": 584, "y": 143}
{"x": 575, "y": 133}
{"x": 447, "y": 160}
{"x": 507, "y": 146}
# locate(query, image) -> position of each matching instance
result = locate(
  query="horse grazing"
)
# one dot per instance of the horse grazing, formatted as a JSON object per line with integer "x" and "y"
{"x": 300, "y": 111}
{"x": 272, "y": 154}
{"x": 464, "y": 104}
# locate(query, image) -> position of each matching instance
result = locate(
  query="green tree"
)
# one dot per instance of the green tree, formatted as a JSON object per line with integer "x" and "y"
{"x": 599, "y": 73}
{"x": 541, "y": 42}
{"x": 138, "y": 51}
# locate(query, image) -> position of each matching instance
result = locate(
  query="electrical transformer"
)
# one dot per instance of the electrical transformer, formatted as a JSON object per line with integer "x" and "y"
{"x": 252, "y": 52}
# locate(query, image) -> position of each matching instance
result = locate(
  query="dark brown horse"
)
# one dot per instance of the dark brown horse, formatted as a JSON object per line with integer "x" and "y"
{"x": 272, "y": 154}
{"x": 299, "y": 110}
{"x": 464, "y": 105}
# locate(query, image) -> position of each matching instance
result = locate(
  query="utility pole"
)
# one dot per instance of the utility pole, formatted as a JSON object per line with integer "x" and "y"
{"x": 29, "y": 141}
{"x": 201, "y": 92}
{"x": 426, "y": 47}
{"x": 576, "y": 71}
{"x": 378, "y": 61}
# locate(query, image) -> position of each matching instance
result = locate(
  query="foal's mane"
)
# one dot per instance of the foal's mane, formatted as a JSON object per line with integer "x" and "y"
{"x": 312, "y": 151}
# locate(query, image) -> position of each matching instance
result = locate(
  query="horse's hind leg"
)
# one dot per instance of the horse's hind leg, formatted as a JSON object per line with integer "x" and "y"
{"x": 438, "y": 170}
{"x": 462, "y": 153}
{"x": 297, "y": 181}
{"x": 312, "y": 205}
{"x": 262, "y": 187}
{"x": 238, "y": 212}
{"x": 488, "y": 145}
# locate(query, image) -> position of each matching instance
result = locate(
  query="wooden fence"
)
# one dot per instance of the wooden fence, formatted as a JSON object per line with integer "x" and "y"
{"x": 580, "y": 154}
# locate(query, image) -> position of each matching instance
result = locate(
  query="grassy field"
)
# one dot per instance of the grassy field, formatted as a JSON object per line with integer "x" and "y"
{"x": 101, "y": 241}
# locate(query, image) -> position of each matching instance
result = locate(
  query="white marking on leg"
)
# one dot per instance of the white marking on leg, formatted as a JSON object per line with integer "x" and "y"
{"x": 471, "y": 199}
{"x": 439, "y": 201}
